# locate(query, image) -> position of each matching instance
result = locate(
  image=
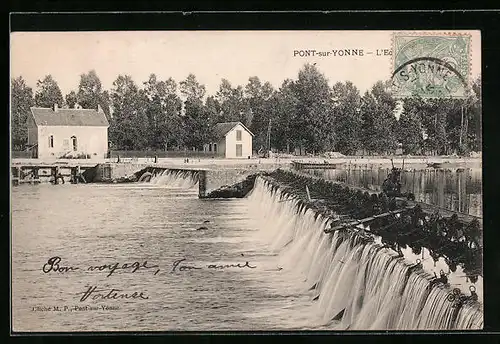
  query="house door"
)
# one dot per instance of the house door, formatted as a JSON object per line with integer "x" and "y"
{"x": 34, "y": 151}
{"x": 239, "y": 150}
{"x": 74, "y": 142}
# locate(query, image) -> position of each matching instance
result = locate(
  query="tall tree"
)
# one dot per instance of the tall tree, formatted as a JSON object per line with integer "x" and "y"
{"x": 89, "y": 90}
{"x": 369, "y": 118}
{"x": 90, "y": 93}
{"x": 105, "y": 102}
{"x": 232, "y": 102}
{"x": 315, "y": 119}
{"x": 192, "y": 89}
{"x": 129, "y": 125}
{"x": 474, "y": 111}
{"x": 283, "y": 113}
{"x": 71, "y": 99}
{"x": 456, "y": 125}
{"x": 213, "y": 111}
{"x": 464, "y": 121}
{"x": 21, "y": 101}
{"x": 197, "y": 125}
{"x": 348, "y": 120}
{"x": 410, "y": 128}
{"x": 434, "y": 120}
{"x": 48, "y": 93}
{"x": 257, "y": 97}
{"x": 379, "y": 119}
{"x": 163, "y": 112}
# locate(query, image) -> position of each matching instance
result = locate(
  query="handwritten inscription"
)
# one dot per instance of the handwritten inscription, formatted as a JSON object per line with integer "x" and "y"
{"x": 110, "y": 294}
{"x": 113, "y": 267}
{"x": 53, "y": 264}
{"x": 177, "y": 267}
{"x": 95, "y": 293}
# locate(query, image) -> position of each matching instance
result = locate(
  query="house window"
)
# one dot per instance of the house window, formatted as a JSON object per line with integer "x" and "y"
{"x": 209, "y": 147}
{"x": 238, "y": 135}
{"x": 51, "y": 141}
{"x": 74, "y": 142}
{"x": 215, "y": 147}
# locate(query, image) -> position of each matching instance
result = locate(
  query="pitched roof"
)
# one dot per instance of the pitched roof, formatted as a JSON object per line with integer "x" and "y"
{"x": 221, "y": 129}
{"x": 69, "y": 117}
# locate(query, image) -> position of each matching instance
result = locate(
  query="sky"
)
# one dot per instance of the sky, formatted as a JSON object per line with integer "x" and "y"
{"x": 210, "y": 55}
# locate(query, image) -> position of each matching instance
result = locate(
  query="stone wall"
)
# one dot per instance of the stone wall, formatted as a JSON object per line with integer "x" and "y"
{"x": 217, "y": 178}
{"x": 113, "y": 171}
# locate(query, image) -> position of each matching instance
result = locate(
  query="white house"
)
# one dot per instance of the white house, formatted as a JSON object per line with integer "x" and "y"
{"x": 232, "y": 140}
{"x": 56, "y": 133}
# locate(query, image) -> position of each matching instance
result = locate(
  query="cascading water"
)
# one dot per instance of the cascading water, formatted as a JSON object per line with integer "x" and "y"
{"x": 355, "y": 284}
{"x": 175, "y": 179}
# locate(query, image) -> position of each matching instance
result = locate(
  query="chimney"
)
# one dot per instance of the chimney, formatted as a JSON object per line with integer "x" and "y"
{"x": 99, "y": 109}
{"x": 56, "y": 107}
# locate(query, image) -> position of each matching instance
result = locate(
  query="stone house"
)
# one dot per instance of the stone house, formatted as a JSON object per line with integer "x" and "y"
{"x": 232, "y": 140}
{"x": 60, "y": 133}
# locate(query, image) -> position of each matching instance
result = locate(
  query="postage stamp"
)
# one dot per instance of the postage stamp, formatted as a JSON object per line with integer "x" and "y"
{"x": 434, "y": 65}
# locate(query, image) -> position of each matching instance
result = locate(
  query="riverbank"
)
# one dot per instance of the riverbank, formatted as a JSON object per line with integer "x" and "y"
{"x": 355, "y": 161}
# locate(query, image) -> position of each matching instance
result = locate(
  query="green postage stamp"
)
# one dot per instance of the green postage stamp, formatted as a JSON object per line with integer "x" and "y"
{"x": 431, "y": 65}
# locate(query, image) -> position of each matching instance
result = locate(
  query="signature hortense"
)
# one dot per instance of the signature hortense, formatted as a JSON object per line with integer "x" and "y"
{"x": 94, "y": 293}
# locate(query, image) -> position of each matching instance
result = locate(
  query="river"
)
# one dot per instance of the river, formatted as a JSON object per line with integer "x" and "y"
{"x": 458, "y": 189}
{"x": 89, "y": 225}
{"x": 267, "y": 286}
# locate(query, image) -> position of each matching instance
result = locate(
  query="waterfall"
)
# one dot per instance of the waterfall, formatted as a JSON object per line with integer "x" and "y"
{"x": 355, "y": 285}
{"x": 175, "y": 179}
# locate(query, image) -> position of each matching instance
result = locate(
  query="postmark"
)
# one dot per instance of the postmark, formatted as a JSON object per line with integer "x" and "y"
{"x": 433, "y": 65}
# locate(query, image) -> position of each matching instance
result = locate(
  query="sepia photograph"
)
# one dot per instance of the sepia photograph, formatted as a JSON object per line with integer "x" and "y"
{"x": 246, "y": 181}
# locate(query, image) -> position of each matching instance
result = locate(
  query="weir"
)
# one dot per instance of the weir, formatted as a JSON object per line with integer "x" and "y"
{"x": 354, "y": 277}
{"x": 400, "y": 226}
{"x": 355, "y": 283}
{"x": 212, "y": 183}
{"x": 184, "y": 178}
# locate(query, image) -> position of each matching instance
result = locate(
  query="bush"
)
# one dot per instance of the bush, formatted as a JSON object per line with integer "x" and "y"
{"x": 75, "y": 155}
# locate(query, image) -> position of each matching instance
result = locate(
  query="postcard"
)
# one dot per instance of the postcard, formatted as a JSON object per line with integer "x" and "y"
{"x": 246, "y": 181}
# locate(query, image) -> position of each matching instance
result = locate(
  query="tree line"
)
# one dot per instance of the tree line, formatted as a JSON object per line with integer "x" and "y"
{"x": 304, "y": 114}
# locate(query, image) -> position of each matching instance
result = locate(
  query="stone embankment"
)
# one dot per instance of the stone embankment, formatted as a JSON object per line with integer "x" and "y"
{"x": 237, "y": 190}
{"x": 113, "y": 172}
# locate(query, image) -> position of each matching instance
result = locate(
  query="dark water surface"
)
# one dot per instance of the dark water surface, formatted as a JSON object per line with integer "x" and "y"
{"x": 458, "y": 189}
